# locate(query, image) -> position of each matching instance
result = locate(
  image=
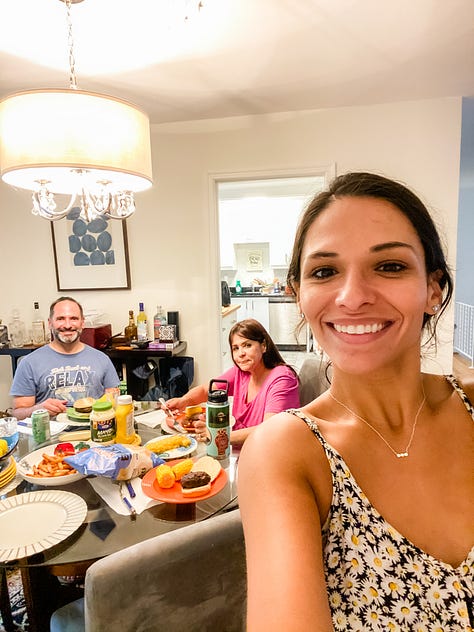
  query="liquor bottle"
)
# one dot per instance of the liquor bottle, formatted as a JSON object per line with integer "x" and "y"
{"x": 142, "y": 324}
{"x": 159, "y": 319}
{"x": 131, "y": 329}
{"x": 37, "y": 326}
{"x": 17, "y": 330}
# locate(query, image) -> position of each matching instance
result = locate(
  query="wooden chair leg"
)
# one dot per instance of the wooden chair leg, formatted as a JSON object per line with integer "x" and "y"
{"x": 5, "y": 607}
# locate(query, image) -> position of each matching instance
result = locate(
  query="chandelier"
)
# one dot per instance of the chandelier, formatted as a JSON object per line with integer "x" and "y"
{"x": 93, "y": 147}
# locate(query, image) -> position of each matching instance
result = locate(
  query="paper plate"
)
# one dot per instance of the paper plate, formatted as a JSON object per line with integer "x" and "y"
{"x": 175, "y": 453}
{"x": 36, "y": 521}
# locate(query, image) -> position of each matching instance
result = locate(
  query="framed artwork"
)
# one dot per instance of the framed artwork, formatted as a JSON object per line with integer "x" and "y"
{"x": 90, "y": 255}
{"x": 255, "y": 261}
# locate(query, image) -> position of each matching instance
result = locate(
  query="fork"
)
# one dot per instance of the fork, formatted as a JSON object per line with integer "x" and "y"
{"x": 171, "y": 414}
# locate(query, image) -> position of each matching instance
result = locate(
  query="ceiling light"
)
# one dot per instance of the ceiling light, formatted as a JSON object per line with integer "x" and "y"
{"x": 91, "y": 146}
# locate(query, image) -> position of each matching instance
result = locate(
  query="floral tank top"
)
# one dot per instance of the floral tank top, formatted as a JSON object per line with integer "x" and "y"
{"x": 379, "y": 581}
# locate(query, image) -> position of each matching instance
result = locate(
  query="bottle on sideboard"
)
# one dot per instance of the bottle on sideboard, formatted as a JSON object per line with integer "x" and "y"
{"x": 37, "y": 326}
{"x": 159, "y": 319}
{"x": 130, "y": 331}
{"x": 17, "y": 330}
{"x": 142, "y": 324}
{"x": 238, "y": 287}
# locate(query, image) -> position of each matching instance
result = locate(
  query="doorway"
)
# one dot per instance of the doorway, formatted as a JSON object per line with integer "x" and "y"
{"x": 256, "y": 218}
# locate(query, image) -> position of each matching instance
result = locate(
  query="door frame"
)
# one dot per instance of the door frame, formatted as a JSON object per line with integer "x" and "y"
{"x": 327, "y": 171}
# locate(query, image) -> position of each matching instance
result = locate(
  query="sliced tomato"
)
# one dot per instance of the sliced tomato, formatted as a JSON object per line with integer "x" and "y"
{"x": 64, "y": 449}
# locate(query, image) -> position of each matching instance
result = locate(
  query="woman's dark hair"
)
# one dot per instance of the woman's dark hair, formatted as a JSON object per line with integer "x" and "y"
{"x": 253, "y": 330}
{"x": 361, "y": 184}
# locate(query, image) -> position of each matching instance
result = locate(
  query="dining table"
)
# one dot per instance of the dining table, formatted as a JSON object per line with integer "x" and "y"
{"x": 106, "y": 528}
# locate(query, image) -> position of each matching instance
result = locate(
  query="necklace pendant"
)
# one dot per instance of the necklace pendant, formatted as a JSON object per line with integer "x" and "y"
{"x": 401, "y": 455}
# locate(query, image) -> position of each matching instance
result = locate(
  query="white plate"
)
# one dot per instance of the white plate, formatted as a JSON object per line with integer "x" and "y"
{"x": 25, "y": 469}
{"x": 36, "y": 521}
{"x": 176, "y": 453}
{"x": 171, "y": 431}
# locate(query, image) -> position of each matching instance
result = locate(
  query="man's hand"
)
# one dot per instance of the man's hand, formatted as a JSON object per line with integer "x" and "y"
{"x": 53, "y": 406}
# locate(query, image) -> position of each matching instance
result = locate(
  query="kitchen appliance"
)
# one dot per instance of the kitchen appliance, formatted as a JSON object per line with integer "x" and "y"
{"x": 225, "y": 294}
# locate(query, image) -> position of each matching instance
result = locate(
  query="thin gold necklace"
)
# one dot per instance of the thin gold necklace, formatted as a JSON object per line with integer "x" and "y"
{"x": 399, "y": 455}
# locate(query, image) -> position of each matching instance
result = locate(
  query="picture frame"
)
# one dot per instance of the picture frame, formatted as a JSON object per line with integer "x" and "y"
{"x": 90, "y": 255}
{"x": 254, "y": 261}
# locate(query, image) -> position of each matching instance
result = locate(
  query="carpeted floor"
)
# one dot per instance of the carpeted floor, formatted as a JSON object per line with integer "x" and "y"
{"x": 15, "y": 591}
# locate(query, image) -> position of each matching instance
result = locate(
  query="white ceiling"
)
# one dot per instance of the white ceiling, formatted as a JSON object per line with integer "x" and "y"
{"x": 238, "y": 57}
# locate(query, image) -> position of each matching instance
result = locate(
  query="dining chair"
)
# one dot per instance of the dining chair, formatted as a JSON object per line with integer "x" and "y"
{"x": 313, "y": 378}
{"x": 193, "y": 579}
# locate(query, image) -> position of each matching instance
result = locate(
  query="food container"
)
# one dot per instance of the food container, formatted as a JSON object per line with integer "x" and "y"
{"x": 103, "y": 426}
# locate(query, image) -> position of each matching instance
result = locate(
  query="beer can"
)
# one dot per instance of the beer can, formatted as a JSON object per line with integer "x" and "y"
{"x": 40, "y": 425}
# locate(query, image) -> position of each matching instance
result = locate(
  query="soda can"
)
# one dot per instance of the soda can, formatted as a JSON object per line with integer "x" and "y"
{"x": 40, "y": 425}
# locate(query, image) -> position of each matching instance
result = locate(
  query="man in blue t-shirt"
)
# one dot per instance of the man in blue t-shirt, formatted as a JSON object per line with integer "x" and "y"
{"x": 56, "y": 375}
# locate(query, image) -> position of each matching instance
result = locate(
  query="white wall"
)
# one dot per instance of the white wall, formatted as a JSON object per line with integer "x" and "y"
{"x": 172, "y": 237}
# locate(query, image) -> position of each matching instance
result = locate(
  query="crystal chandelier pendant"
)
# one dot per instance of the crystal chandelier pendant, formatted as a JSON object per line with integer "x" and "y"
{"x": 92, "y": 147}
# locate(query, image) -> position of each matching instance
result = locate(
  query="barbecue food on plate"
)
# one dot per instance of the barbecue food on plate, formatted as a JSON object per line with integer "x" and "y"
{"x": 191, "y": 414}
{"x": 196, "y": 483}
{"x": 165, "y": 476}
{"x": 168, "y": 443}
{"x": 209, "y": 465}
{"x": 182, "y": 468}
{"x": 84, "y": 405}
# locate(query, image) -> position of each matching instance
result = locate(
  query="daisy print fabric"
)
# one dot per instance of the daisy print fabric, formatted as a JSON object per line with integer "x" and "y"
{"x": 378, "y": 580}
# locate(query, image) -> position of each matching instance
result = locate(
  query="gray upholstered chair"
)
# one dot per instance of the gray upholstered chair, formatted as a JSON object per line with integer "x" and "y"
{"x": 313, "y": 379}
{"x": 190, "y": 579}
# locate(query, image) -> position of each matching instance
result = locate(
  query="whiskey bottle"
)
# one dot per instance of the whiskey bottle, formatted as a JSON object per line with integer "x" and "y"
{"x": 131, "y": 329}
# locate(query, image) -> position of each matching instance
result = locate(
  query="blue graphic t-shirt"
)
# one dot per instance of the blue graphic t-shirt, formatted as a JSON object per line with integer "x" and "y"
{"x": 47, "y": 373}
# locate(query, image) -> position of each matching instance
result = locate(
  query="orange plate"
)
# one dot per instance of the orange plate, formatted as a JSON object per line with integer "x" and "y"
{"x": 174, "y": 494}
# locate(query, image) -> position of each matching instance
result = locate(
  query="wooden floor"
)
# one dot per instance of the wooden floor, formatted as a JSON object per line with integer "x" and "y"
{"x": 461, "y": 367}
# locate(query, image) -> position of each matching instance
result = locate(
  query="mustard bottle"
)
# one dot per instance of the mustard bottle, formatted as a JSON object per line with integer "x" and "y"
{"x": 124, "y": 420}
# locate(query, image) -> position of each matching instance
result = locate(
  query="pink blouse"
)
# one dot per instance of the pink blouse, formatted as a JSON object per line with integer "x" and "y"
{"x": 279, "y": 392}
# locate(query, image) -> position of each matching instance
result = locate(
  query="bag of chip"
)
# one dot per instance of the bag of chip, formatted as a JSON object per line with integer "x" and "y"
{"x": 116, "y": 461}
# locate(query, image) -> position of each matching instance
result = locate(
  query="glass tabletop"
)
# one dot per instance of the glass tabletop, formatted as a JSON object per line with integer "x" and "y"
{"x": 105, "y": 531}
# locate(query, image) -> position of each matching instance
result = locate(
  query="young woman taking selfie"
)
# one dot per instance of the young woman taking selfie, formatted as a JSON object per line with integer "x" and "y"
{"x": 358, "y": 508}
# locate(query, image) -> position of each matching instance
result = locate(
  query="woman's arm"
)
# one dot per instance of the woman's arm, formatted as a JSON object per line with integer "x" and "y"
{"x": 282, "y": 525}
{"x": 237, "y": 437}
{"x": 193, "y": 397}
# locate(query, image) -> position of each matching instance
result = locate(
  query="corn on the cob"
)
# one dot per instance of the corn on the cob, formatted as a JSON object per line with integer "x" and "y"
{"x": 169, "y": 443}
{"x": 182, "y": 468}
{"x": 165, "y": 476}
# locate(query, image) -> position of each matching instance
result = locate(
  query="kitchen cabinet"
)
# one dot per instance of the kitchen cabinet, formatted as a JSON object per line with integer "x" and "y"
{"x": 230, "y": 315}
{"x": 253, "y": 307}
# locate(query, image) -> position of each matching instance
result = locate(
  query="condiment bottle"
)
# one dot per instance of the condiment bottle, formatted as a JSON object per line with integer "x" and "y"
{"x": 124, "y": 420}
{"x": 103, "y": 426}
{"x": 218, "y": 421}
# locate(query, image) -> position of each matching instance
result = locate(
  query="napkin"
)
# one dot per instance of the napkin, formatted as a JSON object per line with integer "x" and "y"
{"x": 24, "y": 426}
{"x": 153, "y": 418}
{"x": 109, "y": 491}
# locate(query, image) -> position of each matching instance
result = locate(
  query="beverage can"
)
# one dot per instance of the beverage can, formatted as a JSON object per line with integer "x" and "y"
{"x": 40, "y": 425}
{"x": 218, "y": 421}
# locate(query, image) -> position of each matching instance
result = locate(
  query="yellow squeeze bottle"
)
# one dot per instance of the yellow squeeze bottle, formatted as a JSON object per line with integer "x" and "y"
{"x": 124, "y": 420}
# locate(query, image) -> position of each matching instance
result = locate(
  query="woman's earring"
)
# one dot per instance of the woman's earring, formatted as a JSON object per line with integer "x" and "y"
{"x": 435, "y": 308}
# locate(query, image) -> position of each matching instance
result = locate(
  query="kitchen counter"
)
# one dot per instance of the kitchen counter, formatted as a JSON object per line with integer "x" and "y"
{"x": 228, "y": 310}
{"x": 280, "y": 297}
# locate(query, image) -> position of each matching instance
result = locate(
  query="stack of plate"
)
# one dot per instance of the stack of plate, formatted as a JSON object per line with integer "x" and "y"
{"x": 7, "y": 471}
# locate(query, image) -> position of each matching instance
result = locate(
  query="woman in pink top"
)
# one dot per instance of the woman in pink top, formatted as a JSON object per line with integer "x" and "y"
{"x": 261, "y": 383}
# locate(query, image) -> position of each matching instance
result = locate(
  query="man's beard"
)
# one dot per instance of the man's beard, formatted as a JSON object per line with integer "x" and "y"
{"x": 66, "y": 337}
